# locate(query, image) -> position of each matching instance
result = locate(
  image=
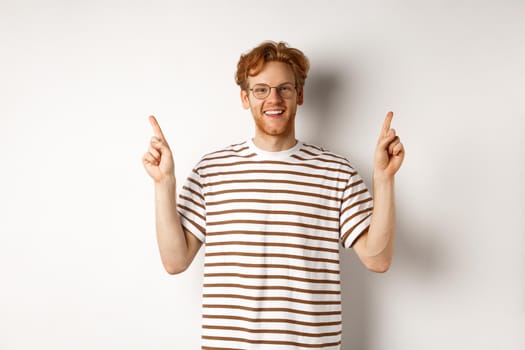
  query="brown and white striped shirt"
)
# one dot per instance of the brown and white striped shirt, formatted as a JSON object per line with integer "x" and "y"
{"x": 271, "y": 223}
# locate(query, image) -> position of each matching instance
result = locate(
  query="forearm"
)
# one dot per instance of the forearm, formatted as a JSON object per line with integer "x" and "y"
{"x": 380, "y": 237}
{"x": 376, "y": 247}
{"x": 171, "y": 239}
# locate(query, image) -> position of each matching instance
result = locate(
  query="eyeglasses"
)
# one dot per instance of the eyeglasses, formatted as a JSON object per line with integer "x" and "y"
{"x": 261, "y": 91}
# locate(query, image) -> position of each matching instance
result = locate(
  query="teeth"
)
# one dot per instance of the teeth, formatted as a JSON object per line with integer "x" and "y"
{"x": 273, "y": 112}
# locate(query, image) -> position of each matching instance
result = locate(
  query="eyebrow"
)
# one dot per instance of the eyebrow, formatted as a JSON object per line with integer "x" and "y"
{"x": 286, "y": 82}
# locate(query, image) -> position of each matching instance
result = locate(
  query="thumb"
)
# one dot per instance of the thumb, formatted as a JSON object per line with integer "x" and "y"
{"x": 159, "y": 145}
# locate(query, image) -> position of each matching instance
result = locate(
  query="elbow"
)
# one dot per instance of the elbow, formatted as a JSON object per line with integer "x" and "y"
{"x": 174, "y": 271}
{"x": 379, "y": 266}
{"x": 175, "y": 268}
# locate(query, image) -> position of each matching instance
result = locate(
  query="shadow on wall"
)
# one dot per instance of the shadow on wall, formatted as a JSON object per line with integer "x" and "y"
{"x": 416, "y": 256}
{"x": 357, "y": 325}
{"x": 321, "y": 95}
{"x": 416, "y": 259}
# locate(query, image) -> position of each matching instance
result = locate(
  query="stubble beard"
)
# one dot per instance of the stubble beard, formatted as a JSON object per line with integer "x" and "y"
{"x": 266, "y": 128}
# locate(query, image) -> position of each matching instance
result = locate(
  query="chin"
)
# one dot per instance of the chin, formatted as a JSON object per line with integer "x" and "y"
{"x": 276, "y": 132}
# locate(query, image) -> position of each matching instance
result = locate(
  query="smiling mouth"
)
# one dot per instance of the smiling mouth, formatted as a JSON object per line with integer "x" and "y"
{"x": 274, "y": 113}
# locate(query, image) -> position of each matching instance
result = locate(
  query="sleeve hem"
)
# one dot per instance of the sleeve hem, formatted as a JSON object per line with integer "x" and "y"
{"x": 199, "y": 236}
{"x": 193, "y": 228}
{"x": 357, "y": 231}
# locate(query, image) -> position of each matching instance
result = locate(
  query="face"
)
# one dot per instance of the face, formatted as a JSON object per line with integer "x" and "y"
{"x": 274, "y": 116}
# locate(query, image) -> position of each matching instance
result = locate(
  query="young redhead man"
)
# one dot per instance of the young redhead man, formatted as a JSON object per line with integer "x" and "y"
{"x": 272, "y": 211}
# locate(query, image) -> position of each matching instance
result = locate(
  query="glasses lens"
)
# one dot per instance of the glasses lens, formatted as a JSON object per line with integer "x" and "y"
{"x": 286, "y": 90}
{"x": 261, "y": 90}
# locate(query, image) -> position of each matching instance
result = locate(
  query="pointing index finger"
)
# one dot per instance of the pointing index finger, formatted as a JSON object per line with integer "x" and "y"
{"x": 387, "y": 122}
{"x": 156, "y": 127}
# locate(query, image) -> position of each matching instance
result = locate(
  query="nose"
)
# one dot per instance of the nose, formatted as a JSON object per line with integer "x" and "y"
{"x": 274, "y": 95}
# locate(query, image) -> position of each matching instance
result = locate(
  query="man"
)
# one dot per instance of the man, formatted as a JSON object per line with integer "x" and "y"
{"x": 272, "y": 211}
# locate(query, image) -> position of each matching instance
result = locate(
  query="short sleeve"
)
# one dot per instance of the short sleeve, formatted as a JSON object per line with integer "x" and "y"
{"x": 356, "y": 210}
{"x": 191, "y": 206}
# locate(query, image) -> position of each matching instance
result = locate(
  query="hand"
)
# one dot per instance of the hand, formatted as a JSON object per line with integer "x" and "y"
{"x": 158, "y": 160}
{"x": 389, "y": 152}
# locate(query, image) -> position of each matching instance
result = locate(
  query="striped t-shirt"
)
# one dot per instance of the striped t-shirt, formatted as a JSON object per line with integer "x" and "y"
{"x": 271, "y": 223}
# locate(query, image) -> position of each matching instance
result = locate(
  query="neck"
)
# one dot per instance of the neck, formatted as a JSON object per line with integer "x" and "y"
{"x": 274, "y": 143}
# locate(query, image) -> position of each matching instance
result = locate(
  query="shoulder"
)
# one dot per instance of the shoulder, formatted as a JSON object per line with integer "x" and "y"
{"x": 310, "y": 151}
{"x": 233, "y": 149}
{"x": 225, "y": 155}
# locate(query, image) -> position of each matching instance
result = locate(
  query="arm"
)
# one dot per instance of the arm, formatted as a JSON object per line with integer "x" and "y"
{"x": 177, "y": 247}
{"x": 375, "y": 247}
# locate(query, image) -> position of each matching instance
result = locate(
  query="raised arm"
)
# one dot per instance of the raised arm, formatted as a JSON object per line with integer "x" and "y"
{"x": 177, "y": 247}
{"x": 375, "y": 248}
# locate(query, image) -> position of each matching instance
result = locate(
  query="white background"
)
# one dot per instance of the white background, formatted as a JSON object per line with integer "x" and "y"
{"x": 79, "y": 265}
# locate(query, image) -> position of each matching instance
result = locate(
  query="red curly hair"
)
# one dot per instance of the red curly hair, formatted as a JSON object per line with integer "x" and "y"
{"x": 252, "y": 62}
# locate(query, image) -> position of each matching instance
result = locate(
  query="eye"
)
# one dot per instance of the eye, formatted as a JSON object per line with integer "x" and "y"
{"x": 285, "y": 88}
{"x": 259, "y": 89}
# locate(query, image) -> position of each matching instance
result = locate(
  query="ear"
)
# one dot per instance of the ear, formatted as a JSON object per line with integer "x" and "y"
{"x": 300, "y": 96}
{"x": 245, "y": 98}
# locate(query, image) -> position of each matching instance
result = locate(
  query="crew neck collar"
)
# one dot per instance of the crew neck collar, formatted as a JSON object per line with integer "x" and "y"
{"x": 275, "y": 155}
